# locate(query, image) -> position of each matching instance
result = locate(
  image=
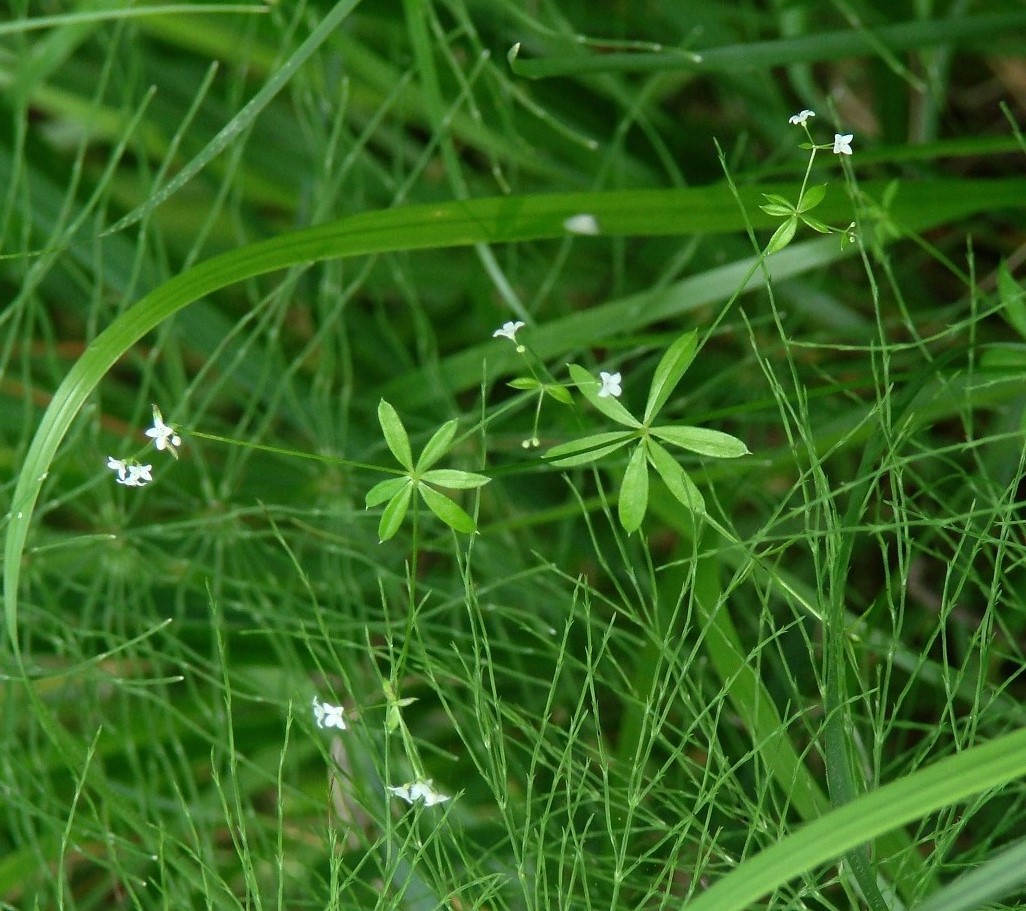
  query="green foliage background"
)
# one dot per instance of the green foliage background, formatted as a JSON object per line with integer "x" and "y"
{"x": 269, "y": 217}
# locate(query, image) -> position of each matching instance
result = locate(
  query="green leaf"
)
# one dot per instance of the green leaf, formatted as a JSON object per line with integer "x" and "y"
{"x": 812, "y": 198}
{"x": 384, "y": 490}
{"x": 609, "y": 406}
{"x": 395, "y": 434}
{"x": 588, "y": 449}
{"x": 713, "y": 443}
{"x": 778, "y": 211}
{"x": 451, "y": 514}
{"x": 394, "y": 513}
{"x": 453, "y": 477}
{"x": 675, "y": 478}
{"x": 782, "y": 236}
{"x": 524, "y": 382}
{"x": 559, "y": 392}
{"x": 634, "y": 491}
{"x": 815, "y": 224}
{"x": 671, "y": 368}
{"x": 438, "y": 445}
{"x": 1012, "y": 300}
{"x": 781, "y": 201}
{"x": 945, "y": 783}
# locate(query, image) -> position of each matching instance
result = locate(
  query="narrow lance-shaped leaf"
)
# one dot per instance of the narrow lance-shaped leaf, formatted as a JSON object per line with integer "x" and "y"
{"x": 394, "y": 513}
{"x": 524, "y": 383}
{"x": 634, "y": 491}
{"x": 813, "y": 197}
{"x": 453, "y": 477}
{"x": 438, "y": 445}
{"x": 672, "y": 366}
{"x": 559, "y": 392}
{"x": 384, "y": 490}
{"x": 782, "y": 236}
{"x": 395, "y": 434}
{"x": 675, "y": 478}
{"x": 588, "y": 449}
{"x": 707, "y": 442}
{"x": 446, "y": 510}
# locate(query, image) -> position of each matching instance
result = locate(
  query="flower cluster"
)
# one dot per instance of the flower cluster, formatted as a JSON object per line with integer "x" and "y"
{"x": 327, "y": 715}
{"x": 130, "y": 472}
{"x": 164, "y": 436}
{"x": 842, "y": 141}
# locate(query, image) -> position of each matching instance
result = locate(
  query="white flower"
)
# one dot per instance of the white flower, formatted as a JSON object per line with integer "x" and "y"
{"x": 842, "y": 144}
{"x": 164, "y": 435}
{"x": 328, "y": 716}
{"x": 582, "y": 224}
{"x": 138, "y": 475}
{"x": 118, "y": 465}
{"x": 799, "y": 119}
{"x": 610, "y": 385}
{"x": 509, "y": 330}
{"x": 419, "y": 790}
{"x": 131, "y": 474}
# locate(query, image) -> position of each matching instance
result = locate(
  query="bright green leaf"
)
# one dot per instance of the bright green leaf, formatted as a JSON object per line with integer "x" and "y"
{"x": 674, "y": 477}
{"x": 779, "y": 200}
{"x": 395, "y": 434}
{"x": 609, "y": 406}
{"x": 634, "y": 491}
{"x": 782, "y": 236}
{"x": 815, "y": 224}
{"x": 438, "y": 445}
{"x": 384, "y": 490}
{"x": 451, "y": 514}
{"x": 524, "y": 382}
{"x": 559, "y": 392}
{"x": 453, "y": 477}
{"x": 394, "y": 513}
{"x": 588, "y": 449}
{"x": 1012, "y": 300}
{"x": 706, "y": 442}
{"x": 778, "y": 211}
{"x": 812, "y": 198}
{"x": 671, "y": 368}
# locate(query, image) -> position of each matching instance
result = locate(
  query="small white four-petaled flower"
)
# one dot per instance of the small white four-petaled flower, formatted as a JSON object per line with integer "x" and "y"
{"x": 509, "y": 330}
{"x": 419, "y": 790}
{"x": 842, "y": 144}
{"x": 328, "y": 716}
{"x": 164, "y": 435}
{"x": 800, "y": 118}
{"x": 131, "y": 474}
{"x": 610, "y": 385}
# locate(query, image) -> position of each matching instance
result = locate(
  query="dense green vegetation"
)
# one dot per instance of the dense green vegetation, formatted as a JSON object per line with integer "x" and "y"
{"x": 575, "y": 485}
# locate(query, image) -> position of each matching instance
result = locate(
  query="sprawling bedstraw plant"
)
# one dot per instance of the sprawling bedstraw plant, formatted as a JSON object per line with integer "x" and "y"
{"x": 693, "y": 585}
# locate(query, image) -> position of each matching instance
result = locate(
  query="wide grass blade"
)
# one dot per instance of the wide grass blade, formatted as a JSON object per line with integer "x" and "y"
{"x": 943, "y": 784}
